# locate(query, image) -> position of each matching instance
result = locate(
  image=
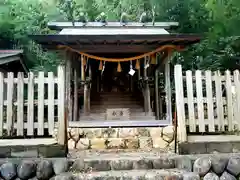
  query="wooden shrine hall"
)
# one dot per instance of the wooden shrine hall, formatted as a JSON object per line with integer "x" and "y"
{"x": 117, "y": 75}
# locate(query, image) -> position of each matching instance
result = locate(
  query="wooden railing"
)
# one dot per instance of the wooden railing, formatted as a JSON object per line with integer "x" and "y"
{"x": 31, "y": 105}
{"x": 207, "y": 101}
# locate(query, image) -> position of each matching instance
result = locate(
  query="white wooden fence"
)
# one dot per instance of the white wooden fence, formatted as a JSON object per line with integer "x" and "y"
{"x": 207, "y": 101}
{"x": 32, "y": 105}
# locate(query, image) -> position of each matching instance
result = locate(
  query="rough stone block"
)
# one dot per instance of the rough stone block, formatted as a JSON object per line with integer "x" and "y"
{"x": 236, "y": 147}
{"x": 155, "y": 132}
{"x": 61, "y": 166}
{"x": 98, "y": 143}
{"x": 8, "y": 171}
{"x": 233, "y": 166}
{"x": 168, "y": 133}
{"x": 44, "y": 170}
{"x": 143, "y": 164}
{"x": 143, "y": 132}
{"x": 218, "y": 164}
{"x": 227, "y": 176}
{"x": 192, "y": 148}
{"x": 98, "y": 165}
{"x": 184, "y": 163}
{"x": 131, "y": 143}
{"x": 74, "y": 134}
{"x": 5, "y": 152}
{"x": 202, "y": 166}
{"x": 221, "y": 147}
{"x": 110, "y": 132}
{"x": 145, "y": 142}
{"x": 26, "y": 169}
{"x": 159, "y": 143}
{"x": 71, "y": 144}
{"x": 113, "y": 143}
{"x": 211, "y": 176}
{"x": 83, "y": 143}
{"x": 128, "y": 132}
{"x": 191, "y": 176}
{"x": 52, "y": 151}
{"x": 93, "y": 133}
{"x": 122, "y": 164}
{"x": 24, "y": 152}
{"x": 163, "y": 163}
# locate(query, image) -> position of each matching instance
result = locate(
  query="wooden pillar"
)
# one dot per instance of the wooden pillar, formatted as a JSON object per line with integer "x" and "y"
{"x": 168, "y": 89}
{"x": 89, "y": 89}
{"x": 68, "y": 86}
{"x": 147, "y": 102}
{"x": 76, "y": 86}
{"x": 98, "y": 83}
{"x": 156, "y": 91}
{"x": 139, "y": 73}
{"x": 83, "y": 78}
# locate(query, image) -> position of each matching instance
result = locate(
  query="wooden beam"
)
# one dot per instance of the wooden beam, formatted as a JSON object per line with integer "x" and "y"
{"x": 114, "y": 48}
{"x": 62, "y": 25}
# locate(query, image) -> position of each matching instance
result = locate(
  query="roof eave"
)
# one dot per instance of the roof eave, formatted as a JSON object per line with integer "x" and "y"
{"x": 62, "y": 25}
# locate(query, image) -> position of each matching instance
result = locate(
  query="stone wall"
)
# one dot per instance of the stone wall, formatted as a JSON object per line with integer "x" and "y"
{"x": 209, "y": 147}
{"x": 206, "y": 167}
{"x": 161, "y": 138}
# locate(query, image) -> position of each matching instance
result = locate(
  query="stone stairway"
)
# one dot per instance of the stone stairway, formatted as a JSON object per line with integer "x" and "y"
{"x": 131, "y": 165}
{"x": 114, "y": 100}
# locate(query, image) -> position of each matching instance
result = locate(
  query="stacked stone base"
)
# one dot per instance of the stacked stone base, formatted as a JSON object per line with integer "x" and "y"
{"x": 125, "y": 166}
{"x": 161, "y": 138}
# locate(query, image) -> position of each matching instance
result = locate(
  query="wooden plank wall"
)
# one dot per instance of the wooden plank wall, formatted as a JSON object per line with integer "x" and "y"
{"x": 33, "y": 105}
{"x": 208, "y": 101}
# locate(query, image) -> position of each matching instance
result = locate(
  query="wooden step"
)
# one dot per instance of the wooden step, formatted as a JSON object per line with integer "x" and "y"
{"x": 115, "y": 101}
{"x": 112, "y": 106}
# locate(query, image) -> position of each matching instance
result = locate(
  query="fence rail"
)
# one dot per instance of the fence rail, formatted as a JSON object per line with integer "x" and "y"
{"x": 208, "y": 101}
{"x": 32, "y": 105}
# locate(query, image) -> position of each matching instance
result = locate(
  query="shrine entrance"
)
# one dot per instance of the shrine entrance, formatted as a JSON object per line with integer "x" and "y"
{"x": 115, "y": 70}
{"x": 114, "y": 81}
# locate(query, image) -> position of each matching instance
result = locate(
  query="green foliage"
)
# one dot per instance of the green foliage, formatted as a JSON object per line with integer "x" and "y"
{"x": 216, "y": 20}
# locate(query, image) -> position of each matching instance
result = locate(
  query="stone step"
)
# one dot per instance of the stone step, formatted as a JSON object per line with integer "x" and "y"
{"x": 175, "y": 174}
{"x": 97, "y": 110}
{"x": 131, "y": 114}
{"x": 84, "y": 117}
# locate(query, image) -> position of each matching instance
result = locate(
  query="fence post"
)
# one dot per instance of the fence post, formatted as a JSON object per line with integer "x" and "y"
{"x": 62, "y": 121}
{"x": 180, "y": 103}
